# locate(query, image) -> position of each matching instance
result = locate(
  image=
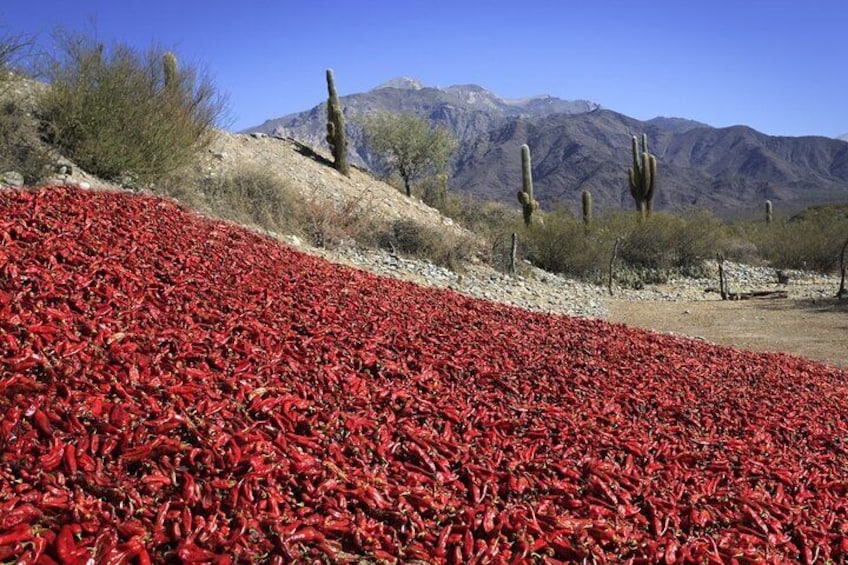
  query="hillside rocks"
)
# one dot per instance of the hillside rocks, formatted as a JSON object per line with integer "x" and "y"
{"x": 540, "y": 291}
{"x": 311, "y": 174}
{"x": 12, "y": 179}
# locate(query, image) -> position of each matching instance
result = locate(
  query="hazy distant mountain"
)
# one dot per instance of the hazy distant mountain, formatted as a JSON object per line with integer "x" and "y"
{"x": 677, "y": 125}
{"x": 843, "y": 137}
{"x": 724, "y": 169}
{"x": 577, "y": 145}
{"x": 468, "y": 111}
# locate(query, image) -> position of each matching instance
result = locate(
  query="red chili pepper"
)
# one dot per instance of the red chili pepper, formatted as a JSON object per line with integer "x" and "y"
{"x": 21, "y": 514}
{"x": 20, "y": 532}
{"x": 191, "y": 553}
{"x": 42, "y": 423}
{"x": 249, "y": 385}
{"x": 65, "y": 546}
{"x": 71, "y": 459}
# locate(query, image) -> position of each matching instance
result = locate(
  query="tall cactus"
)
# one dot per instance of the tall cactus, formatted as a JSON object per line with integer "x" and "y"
{"x": 587, "y": 208}
{"x": 169, "y": 66}
{"x": 769, "y": 212}
{"x": 335, "y": 127}
{"x": 525, "y": 197}
{"x": 642, "y": 176}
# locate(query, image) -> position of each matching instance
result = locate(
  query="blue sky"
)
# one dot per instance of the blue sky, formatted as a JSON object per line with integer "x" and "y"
{"x": 780, "y": 66}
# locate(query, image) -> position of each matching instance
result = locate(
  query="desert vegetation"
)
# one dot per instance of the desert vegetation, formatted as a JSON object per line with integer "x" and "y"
{"x": 21, "y": 149}
{"x": 409, "y": 146}
{"x": 125, "y": 115}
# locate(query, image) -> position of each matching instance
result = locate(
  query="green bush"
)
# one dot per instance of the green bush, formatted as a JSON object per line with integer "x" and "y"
{"x": 110, "y": 111}
{"x": 649, "y": 250}
{"x": 561, "y": 244}
{"x": 667, "y": 242}
{"x": 409, "y": 146}
{"x": 810, "y": 240}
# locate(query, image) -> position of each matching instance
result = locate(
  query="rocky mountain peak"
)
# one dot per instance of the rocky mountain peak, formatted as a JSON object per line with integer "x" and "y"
{"x": 576, "y": 144}
{"x": 402, "y": 83}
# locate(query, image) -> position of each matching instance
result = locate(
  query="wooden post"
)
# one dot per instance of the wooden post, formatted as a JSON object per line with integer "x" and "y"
{"x": 843, "y": 292}
{"x": 722, "y": 278}
{"x": 513, "y": 251}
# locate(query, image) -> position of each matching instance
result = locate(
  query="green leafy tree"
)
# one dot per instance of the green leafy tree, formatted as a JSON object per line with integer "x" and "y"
{"x": 123, "y": 114}
{"x": 409, "y": 145}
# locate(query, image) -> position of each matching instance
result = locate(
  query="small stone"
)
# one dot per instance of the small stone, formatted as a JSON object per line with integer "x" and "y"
{"x": 84, "y": 185}
{"x": 13, "y": 178}
{"x": 258, "y": 135}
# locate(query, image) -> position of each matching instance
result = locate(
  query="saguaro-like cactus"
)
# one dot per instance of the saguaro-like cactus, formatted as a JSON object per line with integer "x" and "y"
{"x": 525, "y": 197}
{"x": 587, "y": 208}
{"x": 169, "y": 66}
{"x": 642, "y": 176}
{"x": 335, "y": 127}
{"x": 769, "y": 212}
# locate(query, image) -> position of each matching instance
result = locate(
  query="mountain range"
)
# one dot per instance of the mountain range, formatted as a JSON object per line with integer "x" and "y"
{"x": 577, "y": 144}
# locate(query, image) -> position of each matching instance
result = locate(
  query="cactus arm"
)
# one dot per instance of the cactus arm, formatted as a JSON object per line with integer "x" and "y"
{"x": 526, "y": 171}
{"x": 651, "y": 181}
{"x": 636, "y": 164}
{"x": 587, "y": 207}
{"x": 634, "y": 185}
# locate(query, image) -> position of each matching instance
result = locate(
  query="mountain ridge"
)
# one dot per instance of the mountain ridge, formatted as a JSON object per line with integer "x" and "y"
{"x": 578, "y": 144}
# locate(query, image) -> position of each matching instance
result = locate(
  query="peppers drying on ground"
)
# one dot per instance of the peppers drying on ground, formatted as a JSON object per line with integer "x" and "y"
{"x": 175, "y": 389}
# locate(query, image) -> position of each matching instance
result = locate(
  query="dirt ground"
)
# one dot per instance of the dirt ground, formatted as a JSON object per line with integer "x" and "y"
{"x": 815, "y": 329}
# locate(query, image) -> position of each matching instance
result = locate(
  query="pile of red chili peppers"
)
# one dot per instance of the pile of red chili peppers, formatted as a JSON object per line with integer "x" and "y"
{"x": 175, "y": 389}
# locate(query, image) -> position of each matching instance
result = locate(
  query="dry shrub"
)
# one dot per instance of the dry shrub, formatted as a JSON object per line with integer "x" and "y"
{"x": 330, "y": 224}
{"x": 649, "y": 250}
{"x": 110, "y": 110}
{"x": 559, "y": 243}
{"x": 21, "y": 150}
{"x": 811, "y": 240}
{"x": 438, "y": 246}
{"x": 667, "y": 242}
{"x": 249, "y": 195}
{"x": 256, "y": 196}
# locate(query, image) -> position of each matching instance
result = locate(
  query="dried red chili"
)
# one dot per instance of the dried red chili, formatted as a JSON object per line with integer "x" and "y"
{"x": 174, "y": 387}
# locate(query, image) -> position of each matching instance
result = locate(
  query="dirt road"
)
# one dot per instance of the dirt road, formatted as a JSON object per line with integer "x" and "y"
{"x": 816, "y": 329}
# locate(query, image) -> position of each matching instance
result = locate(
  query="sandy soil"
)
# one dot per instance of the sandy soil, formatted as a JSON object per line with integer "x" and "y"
{"x": 815, "y": 329}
